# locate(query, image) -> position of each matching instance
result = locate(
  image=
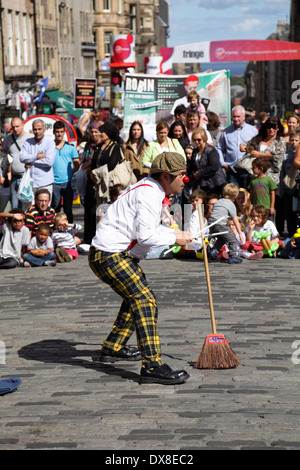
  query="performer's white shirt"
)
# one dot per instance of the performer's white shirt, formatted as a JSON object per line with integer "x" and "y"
{"x": 135, "y": 215}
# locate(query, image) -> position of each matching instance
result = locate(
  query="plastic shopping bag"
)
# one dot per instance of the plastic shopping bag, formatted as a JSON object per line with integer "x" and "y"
{"x": 25, "y": 192}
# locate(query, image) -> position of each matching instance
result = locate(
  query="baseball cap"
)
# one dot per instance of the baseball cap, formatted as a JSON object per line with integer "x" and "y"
{"x": 170, "y": 162}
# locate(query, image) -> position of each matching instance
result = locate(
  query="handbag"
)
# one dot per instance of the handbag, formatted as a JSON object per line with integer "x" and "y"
{"x": 80, "y": 181}
{"x": 25, "y": 192}
{"x": 122, "y": 174}
{"x": 245, "y": 163}
{"x": 290, "y": 178}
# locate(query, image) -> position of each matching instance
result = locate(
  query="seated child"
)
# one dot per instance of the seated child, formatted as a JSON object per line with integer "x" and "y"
{"x": 225, "y": 207}
{"x": 195, "y": 105}
{"x": 114, "y": 192}
{"x": 15, "y": 240}
{"x": 198, "y": 196}
{"x": 63, "y": 238}
{"x": 258, "y": 224}
{"x": 243, "y": 253}
{"x": 290, "y": 247}
{"x": 40, "y": 250}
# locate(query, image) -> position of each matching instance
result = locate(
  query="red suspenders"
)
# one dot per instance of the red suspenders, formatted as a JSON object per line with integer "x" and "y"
{"x": 134, "y": 242}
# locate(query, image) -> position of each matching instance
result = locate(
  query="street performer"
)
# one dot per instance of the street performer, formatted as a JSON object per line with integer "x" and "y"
{"x": 130, "y": 227}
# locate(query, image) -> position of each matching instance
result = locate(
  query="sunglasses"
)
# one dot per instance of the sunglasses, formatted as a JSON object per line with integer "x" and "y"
{"x": 272, "y": 125}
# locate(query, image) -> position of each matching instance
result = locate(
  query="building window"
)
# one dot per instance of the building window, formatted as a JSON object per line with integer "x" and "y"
{"x": 25, "y": 39}
{"x": 10, "y": 38}
{"x": 132, "y": 15}
{"x": 106, "y": 5}
{"x": 120, "y": 7}
{"x": 18, "y": 39}
{"x": 107, "y": 35}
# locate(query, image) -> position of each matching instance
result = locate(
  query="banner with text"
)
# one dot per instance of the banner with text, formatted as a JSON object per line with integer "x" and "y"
{"x": 153, "y": 98}
{"x": 229, "y": 51}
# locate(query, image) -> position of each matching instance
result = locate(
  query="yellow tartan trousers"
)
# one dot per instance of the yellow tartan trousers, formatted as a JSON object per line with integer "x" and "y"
{"x": 139, "y": 308}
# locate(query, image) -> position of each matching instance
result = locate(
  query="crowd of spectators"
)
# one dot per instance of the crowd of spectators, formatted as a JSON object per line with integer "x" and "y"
{"x": 245, "y": 169}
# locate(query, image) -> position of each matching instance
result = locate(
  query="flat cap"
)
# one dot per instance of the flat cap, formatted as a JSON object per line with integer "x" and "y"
{"x": 170, "y": 162}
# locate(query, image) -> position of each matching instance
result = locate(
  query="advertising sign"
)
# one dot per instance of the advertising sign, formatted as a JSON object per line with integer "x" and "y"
{"x": 122, "y": 48}
{"x": 85, "y": 93}
{"x": 229, "y": 51}
{"x": 153, "y": 98}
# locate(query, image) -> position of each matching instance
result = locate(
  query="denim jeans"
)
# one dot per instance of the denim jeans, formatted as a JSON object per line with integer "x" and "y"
{"x": 14, "y": 187}
{"x": 63, "y": 191}
{"x": 37, "y": 260}
{"x": 241, "y": 180}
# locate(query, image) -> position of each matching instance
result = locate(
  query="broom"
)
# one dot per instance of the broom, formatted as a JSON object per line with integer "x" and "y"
{"x": 216, "y": 352}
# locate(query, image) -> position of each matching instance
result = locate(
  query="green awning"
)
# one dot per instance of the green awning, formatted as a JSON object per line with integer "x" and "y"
{"x": 64, "y": 102}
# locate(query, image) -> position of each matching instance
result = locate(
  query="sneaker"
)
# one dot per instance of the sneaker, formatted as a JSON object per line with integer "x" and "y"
{"x": 257, "y": 255}
{"x": 234, "y": 260}
{"x": 163, "y": 375}
{"x": 59, "y": 257}
{"x": 65, "y": 255}
{"x": 213, "y": 256}
{"x": 50, "y": 263}
{"x": 26, "y": 264}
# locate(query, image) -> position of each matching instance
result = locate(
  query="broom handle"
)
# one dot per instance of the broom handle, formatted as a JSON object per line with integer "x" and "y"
{"x": 211, "y": 307}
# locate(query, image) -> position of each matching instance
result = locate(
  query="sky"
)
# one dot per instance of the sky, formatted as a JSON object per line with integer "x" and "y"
{"x": 217, "y": 20}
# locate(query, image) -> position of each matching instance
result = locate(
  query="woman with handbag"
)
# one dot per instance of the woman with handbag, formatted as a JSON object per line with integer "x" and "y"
{"x": 204, "y": 168}
{"x": 178, "y": 131}
{"x": 107, "y": 154}
{"x": 94, "y": 142}
{"x": 269, "y": 143}
{"x": 134, "y": 149}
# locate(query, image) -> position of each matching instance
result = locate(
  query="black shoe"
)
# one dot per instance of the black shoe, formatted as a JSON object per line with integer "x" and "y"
{"x": 163, "y": 375}
{"x": 125, "y": 354}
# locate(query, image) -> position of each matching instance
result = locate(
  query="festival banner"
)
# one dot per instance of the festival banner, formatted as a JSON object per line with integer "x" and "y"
{"x": 229, "y": 51}
{"x": 153, "y": 98}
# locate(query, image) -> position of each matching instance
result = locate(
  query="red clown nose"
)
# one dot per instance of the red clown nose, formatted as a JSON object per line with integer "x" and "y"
{"x": 186, "y": 179}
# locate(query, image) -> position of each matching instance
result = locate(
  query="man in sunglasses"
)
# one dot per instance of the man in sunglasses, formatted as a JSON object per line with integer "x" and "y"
{"x": 229, "y": 145}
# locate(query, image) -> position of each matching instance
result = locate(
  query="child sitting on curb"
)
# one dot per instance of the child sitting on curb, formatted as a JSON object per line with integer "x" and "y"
{"x": 261, "y": 227}
{"x": 15, "y": 240}
{"x": 243, "y": 253}
{"x": 40, "y": 250}
{"x": 226, "y": 208}
{"x": 63, "y": 238}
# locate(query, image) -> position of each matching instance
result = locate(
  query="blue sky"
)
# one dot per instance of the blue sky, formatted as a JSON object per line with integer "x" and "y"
{"x": 216, "y": 20}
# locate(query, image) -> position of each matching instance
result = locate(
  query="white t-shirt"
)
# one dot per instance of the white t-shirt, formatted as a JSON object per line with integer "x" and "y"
{"x": 268, "y": 227}
{"x": 194, "y": 229}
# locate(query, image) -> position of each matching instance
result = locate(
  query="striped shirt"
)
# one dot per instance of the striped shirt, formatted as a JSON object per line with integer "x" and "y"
{"x": 34, "y": 218}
